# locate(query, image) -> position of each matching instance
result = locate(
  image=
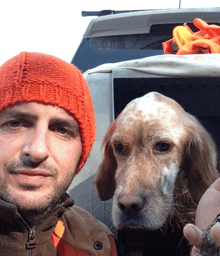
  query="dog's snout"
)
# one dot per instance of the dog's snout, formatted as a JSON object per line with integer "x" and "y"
{"x": 130, "y": 204}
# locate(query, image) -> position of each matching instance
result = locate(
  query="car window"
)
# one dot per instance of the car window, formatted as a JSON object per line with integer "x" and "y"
{"x": 95, "y": 51}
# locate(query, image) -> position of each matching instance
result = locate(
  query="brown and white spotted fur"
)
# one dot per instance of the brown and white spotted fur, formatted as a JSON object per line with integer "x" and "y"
{"x": 158, "y": 161}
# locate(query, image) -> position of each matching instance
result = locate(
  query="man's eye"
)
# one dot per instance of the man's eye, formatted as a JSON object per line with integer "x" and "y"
{"x": 14, "y": 123}
{"x": 62, "y": 130}
{"x": 17, "y": 123}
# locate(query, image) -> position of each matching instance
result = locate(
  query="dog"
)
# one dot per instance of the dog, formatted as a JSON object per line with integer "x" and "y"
{"x": 158, "y": 161}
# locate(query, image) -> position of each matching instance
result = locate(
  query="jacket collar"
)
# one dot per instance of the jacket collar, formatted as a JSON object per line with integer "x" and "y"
{"x": 16, "y": 234}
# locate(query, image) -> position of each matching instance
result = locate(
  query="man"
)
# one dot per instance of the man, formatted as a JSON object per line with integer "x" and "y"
{"x": 207, "y": 210}
{"x": 47, "y": 128}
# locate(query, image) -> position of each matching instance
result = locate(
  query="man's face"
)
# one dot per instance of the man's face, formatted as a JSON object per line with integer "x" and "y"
{"x": 40, "y": 148}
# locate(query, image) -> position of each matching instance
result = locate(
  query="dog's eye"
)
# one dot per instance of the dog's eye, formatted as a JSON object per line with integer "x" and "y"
{"x": 119, "y": 148}
{"x": 162, "y": 146}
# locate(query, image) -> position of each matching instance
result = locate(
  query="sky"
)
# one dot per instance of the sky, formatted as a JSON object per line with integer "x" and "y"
{"x": 56, "y": 27}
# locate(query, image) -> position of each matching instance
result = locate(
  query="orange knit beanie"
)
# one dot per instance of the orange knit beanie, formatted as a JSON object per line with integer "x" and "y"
{"x": 46, "y": 79}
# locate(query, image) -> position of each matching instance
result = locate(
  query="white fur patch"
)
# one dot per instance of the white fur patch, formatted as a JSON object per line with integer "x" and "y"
{"x": 154, "y": 109}
{"x": 149, "y": 105}
{"x": 168, "y": 178}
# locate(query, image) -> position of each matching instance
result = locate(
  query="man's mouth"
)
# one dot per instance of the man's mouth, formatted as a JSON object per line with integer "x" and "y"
{"x": 32, "y": 173}
{"x": 30, "y": 177}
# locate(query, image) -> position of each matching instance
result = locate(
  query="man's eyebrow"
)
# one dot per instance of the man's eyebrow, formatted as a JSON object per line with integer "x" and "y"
{"x": 16, "y": 113}
{"x": 70, "y": 123}
{"x": 12, "y": 113}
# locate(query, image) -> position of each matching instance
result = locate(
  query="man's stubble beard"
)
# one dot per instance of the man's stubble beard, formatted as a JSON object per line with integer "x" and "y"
{"x": 41, "y": 208}
{"x": 36, "y": 214}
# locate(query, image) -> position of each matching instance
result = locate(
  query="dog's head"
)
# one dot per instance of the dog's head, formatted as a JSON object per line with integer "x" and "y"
{"x": 152, "y": 143}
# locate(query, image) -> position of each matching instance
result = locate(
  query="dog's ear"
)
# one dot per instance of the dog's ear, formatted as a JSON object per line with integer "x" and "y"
{"x": 201, "y": 153}
{"x": 105, "y": 178}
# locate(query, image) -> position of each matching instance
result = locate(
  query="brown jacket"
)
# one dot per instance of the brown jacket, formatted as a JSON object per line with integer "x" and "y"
{"x": 70, "y": 230}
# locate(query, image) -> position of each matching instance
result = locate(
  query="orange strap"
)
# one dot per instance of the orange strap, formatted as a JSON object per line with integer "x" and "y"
{"x": 206, "y": 40}
{"x": 113, "y": 246}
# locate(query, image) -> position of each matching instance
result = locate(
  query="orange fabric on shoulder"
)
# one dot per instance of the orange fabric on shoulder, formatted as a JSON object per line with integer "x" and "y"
{"x": 65, "y": 250}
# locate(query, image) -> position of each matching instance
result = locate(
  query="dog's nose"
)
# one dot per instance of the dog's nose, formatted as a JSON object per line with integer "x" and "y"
{"x": 130, "y": 204}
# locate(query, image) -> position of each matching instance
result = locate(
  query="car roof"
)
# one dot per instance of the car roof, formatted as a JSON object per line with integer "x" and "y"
{"x": 140, "y": 22}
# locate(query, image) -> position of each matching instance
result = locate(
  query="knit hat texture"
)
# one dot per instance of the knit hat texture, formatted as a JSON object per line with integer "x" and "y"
{"x": 37, "y": 77}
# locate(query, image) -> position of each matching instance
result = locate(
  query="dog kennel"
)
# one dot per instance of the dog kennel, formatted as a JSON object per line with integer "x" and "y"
{"x": 191, "y": 80}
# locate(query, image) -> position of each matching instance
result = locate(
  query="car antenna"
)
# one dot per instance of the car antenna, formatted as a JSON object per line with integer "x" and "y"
{"x": 105, "y": 12}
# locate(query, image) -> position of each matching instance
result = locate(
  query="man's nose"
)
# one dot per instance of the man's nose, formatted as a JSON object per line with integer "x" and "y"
{"x": 36, "y": 148}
